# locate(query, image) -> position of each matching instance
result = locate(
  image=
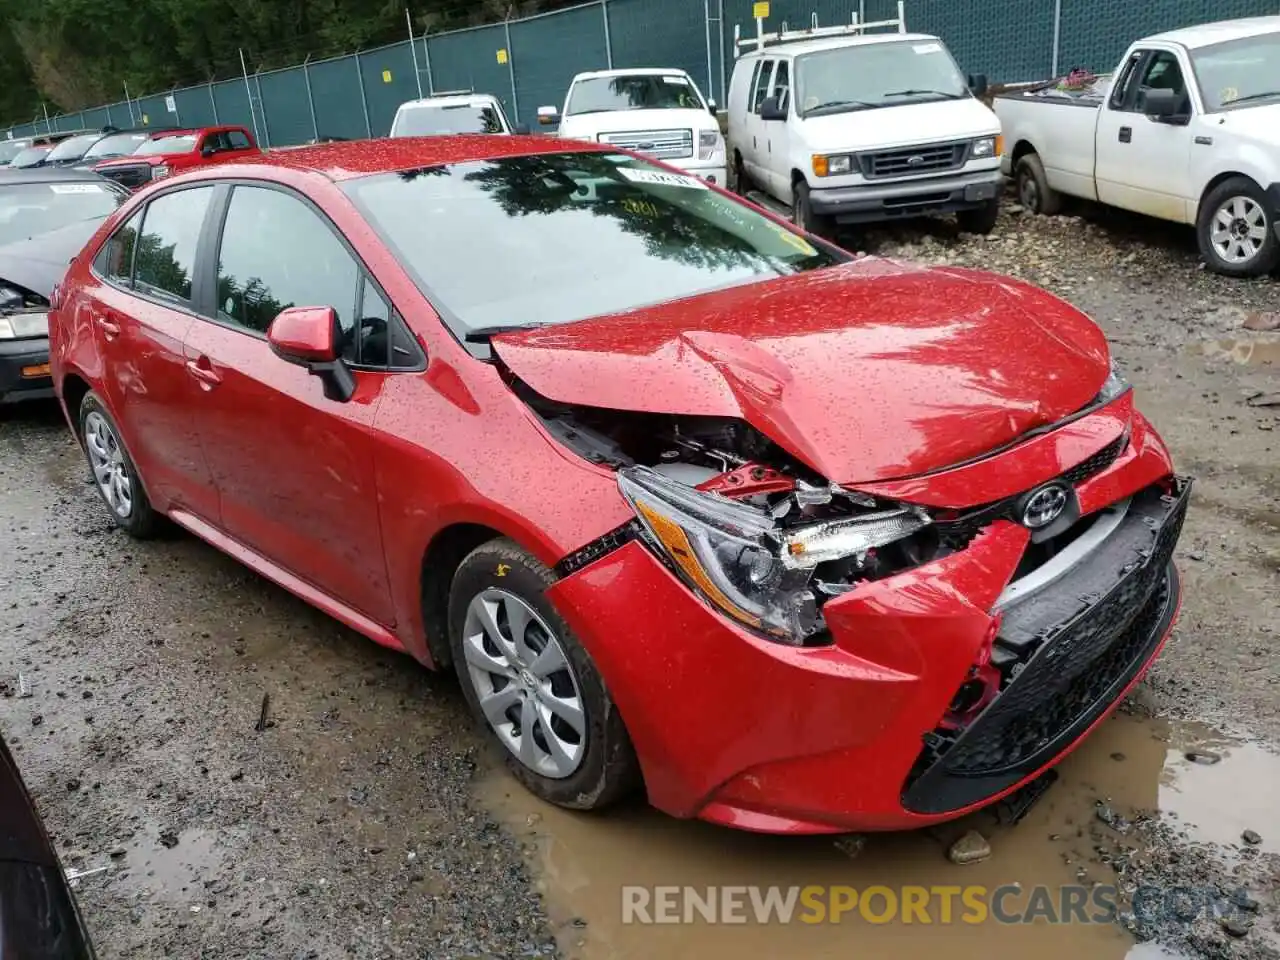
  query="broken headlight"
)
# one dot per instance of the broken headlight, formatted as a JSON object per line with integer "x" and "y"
{"x": 740, "y": 559}
{"x": 1116, "y": 385}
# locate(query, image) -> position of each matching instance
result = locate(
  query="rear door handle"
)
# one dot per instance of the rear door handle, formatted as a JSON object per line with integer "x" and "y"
{"x": 1126, "y": 134}
{"x": 204, "y": 373}
{"x": 110, "y": 329}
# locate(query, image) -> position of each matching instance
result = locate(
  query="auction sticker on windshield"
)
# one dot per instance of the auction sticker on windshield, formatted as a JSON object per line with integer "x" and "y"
{"x": 923, "y": 48}
{"x": 658, "y": 178}
{"x": 76, "y": 188}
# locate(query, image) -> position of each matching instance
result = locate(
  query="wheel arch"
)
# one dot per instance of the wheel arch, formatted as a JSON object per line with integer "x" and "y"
{"x": 1021, "y": 149}
{"x": 1217, "y": 181}
{"x": 73, "y": 390}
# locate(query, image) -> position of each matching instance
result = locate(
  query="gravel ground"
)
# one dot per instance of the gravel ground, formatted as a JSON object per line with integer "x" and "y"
{"x": 349, "y": 827}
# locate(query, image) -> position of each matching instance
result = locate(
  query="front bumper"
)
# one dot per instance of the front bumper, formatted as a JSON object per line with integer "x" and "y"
{"x": 738, "y": 730}
{"x": 713, "y": 170}
{"x": 17, "y": 357}
{"x": 912, "y": 198}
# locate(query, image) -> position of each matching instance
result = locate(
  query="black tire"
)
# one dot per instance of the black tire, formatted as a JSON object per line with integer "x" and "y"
{"x": 140, "y": 521}
{"x": 608, "y": 769}
{"x": 802, "y": 213}
{"x": 741, "y": 182}
{"x": 980, "y": 219}
{"x": 1034, "y": 192}
{"x": 1245, "y": 195}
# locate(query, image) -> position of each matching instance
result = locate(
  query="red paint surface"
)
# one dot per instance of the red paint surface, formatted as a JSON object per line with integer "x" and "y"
{"x": 304, "y": 333}
{"x": 181, "y": 161}
{"x": 874, "y": 373}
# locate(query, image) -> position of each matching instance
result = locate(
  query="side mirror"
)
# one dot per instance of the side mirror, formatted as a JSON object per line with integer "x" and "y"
{"x": 522, "y": 129}
{"x": 711, "y": 107}
{"x": 309, "y": 337}
{"x": 1164, "y": 106}
{"x": 978, "y": 84}
{"x": 770, "y": 109}
{"x": 548, "y": 116}
{"x": 207, "y": 151}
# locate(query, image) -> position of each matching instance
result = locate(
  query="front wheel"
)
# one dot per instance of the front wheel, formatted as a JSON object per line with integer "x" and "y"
{"x": 980, "y": 219}
{"x": 531, "y": 683}
{"x": 1236, "y": 230}
{"x": 802, "y": 212}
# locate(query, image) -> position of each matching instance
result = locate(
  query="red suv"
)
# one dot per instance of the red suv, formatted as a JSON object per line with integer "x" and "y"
{"x": 687, "y": 498}
{"x": 170, "y": 152}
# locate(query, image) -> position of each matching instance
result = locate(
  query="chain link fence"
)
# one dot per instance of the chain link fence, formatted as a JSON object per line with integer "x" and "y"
{"x": 527, "y": 63}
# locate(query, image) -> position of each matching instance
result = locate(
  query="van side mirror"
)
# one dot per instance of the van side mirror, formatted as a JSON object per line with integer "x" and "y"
{"x": 548, "y": 116}
{"x": 309, "y": 337}
{"x": 1165, "y": 106}
{"x": 978, "y": 84}
{"x": 771, "y": 109}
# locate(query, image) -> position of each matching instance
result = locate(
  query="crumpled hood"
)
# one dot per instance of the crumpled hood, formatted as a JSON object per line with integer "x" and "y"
{"x": 872, "y": 370}
{"x": 40, "y": 262}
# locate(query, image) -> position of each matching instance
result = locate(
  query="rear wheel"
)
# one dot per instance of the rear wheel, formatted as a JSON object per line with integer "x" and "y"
{"x": 1034, "y": 192}
{"x": 1236, "y": 230}
{"x": 114, "y": 472}
{"x": 531, "y": 683}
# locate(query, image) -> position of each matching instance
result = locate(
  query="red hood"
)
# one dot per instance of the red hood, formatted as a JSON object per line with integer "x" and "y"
{"x": 869, "y": 371}
{"x": 152, "y": 159}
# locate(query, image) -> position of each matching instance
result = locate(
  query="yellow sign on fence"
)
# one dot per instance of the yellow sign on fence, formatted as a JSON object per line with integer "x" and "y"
{"x": 502, "y": 55}
{"x": 760, "y": 10}
{"x": 386, "y": 76}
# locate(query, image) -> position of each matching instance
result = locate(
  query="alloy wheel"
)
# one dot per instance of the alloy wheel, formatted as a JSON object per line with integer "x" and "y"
{"x": 1239, "y": 230}
{"x": 525, "y": 683}
{"x": 106, "y": 457}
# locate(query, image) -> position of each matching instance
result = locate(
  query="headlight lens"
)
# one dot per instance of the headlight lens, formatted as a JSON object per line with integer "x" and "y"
{"x": 737, "y": 557}
{"x": 160, "y": 172}
{"x": 19, "y": 326}
{"x": 708, "y": 143}
{"x": 984, "y": 147}
{"x": 1116, "y": 385}
{"x": 832, "y": 166}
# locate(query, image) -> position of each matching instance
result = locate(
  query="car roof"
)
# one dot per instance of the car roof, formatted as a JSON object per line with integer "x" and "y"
{"x": 11, "y": 175}
{"x": 352, "y": 159}
{"x": 1220, "y": 32}
{"x": 632, "y": 72}
{"x": 795, "y": 48}
{"x": 446, "y": 99}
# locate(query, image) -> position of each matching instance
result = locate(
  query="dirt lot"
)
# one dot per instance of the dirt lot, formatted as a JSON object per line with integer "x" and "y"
{"x": 367, "y": 821}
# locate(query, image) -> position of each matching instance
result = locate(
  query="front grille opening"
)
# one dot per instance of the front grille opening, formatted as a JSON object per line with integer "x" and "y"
{"x": 928, "y": 158}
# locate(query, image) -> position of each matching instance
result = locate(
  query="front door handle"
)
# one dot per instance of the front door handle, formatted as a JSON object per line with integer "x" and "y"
{"x": 204, "y": 373}
{"x": 1126, "y": 134}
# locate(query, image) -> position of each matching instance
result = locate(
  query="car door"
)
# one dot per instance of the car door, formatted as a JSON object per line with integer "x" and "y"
{"x": 776, "y": 136}
{"x": 140, "y": 311}
{"x": 294, "y": 469}
{"x": 754, "y": 153}
{"x": 1145, "y": 164}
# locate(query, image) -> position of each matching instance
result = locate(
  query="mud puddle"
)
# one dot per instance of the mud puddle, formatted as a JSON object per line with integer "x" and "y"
{"x": 1130, "y": 769}
{"x": 1249, "y": 352}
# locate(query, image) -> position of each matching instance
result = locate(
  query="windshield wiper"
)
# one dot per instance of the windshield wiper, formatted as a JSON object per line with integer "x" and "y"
{"x": 1252, "y": 96}
{"x": 482, "y": 334}
{"x": 919, "y": 93}
{"x": 830, "y": 104}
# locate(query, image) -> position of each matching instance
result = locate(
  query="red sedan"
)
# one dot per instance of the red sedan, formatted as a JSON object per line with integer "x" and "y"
{"x": 689, "y": 500}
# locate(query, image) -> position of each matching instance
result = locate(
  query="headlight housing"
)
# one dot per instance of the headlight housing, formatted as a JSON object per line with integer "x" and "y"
{"x": 738, "y": 558}
{"x": 708, "y": 143}
{"x": 1114, "y": 386}
{"x": 833, "y": 165}
{"x": 21, "y": 326}
{"x": 160, "y": 171}
{"x": 984, "y": 147}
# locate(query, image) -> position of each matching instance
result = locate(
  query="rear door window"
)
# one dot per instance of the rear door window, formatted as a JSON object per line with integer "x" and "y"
{"x": 164, "y": 262}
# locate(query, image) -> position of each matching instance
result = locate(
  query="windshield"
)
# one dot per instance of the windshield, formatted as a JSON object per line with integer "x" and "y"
{"x": 29, "y": 157}
{"x": 180, "y": 144}
{"x": 1244, "y": 72}
{"x": 117, "y": 145}
{"x": 877, "y": 75}
{"x": 650, "y": 91}
{"x": 535, "y": 240}
{"x": 30, "y": 209}
{"x": 73, "y": 148}
{"x": 438, "y": 121}
{"x": 11, "y": 148}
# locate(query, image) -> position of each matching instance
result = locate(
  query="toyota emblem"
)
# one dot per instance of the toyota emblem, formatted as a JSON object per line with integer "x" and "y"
{"x": 1045, "y": 506}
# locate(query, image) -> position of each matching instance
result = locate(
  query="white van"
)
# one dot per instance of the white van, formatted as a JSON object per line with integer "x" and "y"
{"x": 447, "y": 114}
{"x": 844, "y": 126}
{"x": 657, "y": 112}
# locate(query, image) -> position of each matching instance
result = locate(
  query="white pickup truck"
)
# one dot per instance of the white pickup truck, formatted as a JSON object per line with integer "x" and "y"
{"x": 1187, "y": 129}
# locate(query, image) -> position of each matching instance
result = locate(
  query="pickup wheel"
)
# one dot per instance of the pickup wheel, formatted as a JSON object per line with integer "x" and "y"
{"x": 741, "y": 182}
{"x": 980, "y": 219}
{"x": 1034, "y": 191}
{"x": 1236, "y": 230}
{"x": 802, "y": 213}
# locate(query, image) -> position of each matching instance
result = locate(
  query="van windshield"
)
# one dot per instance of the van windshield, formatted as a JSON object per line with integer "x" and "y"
{"x": 873, "y": 75}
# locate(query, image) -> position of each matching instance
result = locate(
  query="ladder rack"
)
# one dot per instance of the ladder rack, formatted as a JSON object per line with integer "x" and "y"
{"x": 854, "y": 28}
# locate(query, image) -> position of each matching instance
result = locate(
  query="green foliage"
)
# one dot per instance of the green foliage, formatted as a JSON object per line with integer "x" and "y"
{"x": 73, "y": 54}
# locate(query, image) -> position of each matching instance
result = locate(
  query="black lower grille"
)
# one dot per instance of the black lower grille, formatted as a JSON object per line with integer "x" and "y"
{"x": 1098, "y": 462}
{"x": 1075, "y": 647}
{"x": 131, "y": 177}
